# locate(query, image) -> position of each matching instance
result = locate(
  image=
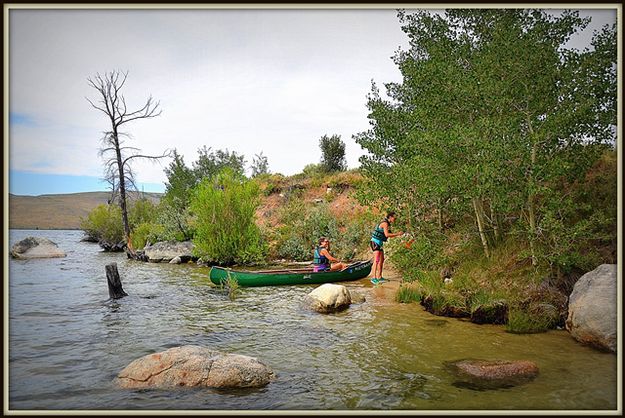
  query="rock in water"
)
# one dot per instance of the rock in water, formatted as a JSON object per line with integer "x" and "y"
{"x": 592, "y": 308}
{"x": 192, "y": 365}
{"x": 329, "y": 298}
{"x": 168, "y": 250}
{"x": 492, "y": 374}
{"x": 33, "y": 247}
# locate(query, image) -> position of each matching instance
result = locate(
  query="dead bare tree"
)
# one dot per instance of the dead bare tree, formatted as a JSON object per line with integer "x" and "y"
{"x": 112, "y": 103}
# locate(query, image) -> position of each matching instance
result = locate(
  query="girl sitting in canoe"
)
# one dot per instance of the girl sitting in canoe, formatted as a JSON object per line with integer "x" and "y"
{"x": 323, "y": 260}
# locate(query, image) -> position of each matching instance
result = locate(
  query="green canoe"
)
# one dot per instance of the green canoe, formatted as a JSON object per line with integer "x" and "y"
{"x": 354, "y": 271}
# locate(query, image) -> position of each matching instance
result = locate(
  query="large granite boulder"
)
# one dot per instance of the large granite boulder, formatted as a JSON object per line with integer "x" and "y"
{"x": 168, "y": 250}
{"x": 592, "y": 308}
{"x": 36, "y": 247}
{"x": 328, "y": 298}
{"x": 191, "y": 366}
{"x": 492, "y": 374}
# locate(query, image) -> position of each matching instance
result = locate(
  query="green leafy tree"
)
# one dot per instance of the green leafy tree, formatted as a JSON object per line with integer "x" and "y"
{"x": 209, "y": 162}
{"x": 332, "y": 153}
{"x": 173, "y": 214}
{"x": 494, "y": 118}
{"x": 180, "y": 180}
{"x": 225, "y": 208}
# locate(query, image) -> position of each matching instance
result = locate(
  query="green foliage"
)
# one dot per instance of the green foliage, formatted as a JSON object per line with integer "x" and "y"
{"x": 319, "y": 222}
{"x": 176, "y": 223}
{"x": 294, "y": 248}
{"x": 146, "y": 232}
{"x": 210, "y": 163}
{"x": 521, "y": 321}
{"x": 314, "y": 170}
{"x": 303, "y": 224}
{"x": 141, "y": 211}
{"x": 408, "y": 294}
{"x": 180, "y": 180}
{"x": 231, "y": 285}
{"x": 332, "y": 153}
{"x": 104, "y": 223}
{"x": 497, "y": 121}
{"x": 577, "y": 224}
{"x": 420, "y": 252}
{"x": 226, "y": 232}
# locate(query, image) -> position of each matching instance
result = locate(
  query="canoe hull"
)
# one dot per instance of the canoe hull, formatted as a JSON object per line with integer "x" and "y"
{"x": 353, "y": 271}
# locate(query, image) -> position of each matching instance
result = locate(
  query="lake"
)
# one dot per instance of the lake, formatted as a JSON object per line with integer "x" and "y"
{"x": 67, "y": 341}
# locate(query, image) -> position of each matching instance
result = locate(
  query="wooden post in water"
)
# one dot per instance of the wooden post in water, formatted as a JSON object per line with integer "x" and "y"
{"x": 114, "y": 282}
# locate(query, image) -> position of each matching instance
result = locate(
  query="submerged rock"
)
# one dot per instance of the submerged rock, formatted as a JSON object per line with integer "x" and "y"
{"x": 191, "y": 365}
{"x": 357, "y": 297}
{"x": 492, "y": 374}
{"x": 166, "y": 251}
{"x": 592, "y": 308}
{"x": 329, "y": 298}
{"x": 113, "y": 247}
{"x": 36, "y": 247}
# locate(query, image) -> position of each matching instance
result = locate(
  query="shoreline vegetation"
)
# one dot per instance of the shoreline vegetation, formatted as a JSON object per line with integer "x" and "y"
{"x": 452, "y": 279}
{"x": 497, "y": 150}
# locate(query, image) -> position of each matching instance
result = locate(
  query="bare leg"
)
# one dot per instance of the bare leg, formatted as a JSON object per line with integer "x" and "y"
{"x": 337, "y": 266}
{"x": 381, "y": 263}
{"x": 376, "y": 263}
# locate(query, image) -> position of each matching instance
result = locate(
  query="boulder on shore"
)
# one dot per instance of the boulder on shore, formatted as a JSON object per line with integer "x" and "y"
{"x": 36, "y": 247}
{"x": 492, "y": 374}
{"x": 166, "y": 251}
{"x": 328, "y": 298}
{"x": 592, "y": 308}
{"x": 192, "y": 366}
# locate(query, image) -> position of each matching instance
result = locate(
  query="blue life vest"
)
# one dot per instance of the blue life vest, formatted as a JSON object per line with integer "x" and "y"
{"x": 319, "y": 259}
{"x": 378, "y": 233}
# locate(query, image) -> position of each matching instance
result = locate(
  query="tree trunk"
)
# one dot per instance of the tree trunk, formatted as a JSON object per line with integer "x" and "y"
{"x": 480, "y": 225}
{"x": 493, "y": 219}
{"x": 122, "y": 188}
{"x": 530, "y": 195}
{"x": 114, "y": 282}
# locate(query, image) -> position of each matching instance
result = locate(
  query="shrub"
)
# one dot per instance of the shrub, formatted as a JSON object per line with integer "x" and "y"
{"x": 144, "y": 233}
{"x": 142, "y": 211}
{"x": 176, "y": 222}
{"x": 319, "y": 222}
{"x": 294, "y": 248}
{"x": 313, "y": 170}
{"x": 226, "y": 232}
{"x": 104, "y": 223}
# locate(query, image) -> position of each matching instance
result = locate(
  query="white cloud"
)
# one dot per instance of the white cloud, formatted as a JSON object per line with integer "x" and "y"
{"x": 248, "y": 80}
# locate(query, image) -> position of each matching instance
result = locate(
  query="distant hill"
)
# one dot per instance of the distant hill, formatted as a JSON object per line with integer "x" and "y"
{"x": 56, "y": 211}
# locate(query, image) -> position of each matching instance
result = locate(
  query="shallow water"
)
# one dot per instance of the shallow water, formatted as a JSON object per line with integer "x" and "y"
{"x": 68, "y": 341}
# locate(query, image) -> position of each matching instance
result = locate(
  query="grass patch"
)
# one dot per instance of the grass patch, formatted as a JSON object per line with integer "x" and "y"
{"x": 231, "y": 285}
{"x": 522, "y": 321}
{"x": 408, "y": 294}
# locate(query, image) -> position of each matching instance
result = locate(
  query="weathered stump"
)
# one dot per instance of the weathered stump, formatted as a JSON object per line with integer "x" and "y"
{"x": 114, "y": 282}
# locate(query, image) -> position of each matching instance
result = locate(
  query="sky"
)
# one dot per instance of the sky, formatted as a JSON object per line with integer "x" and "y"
{"x": 250, "y": 81}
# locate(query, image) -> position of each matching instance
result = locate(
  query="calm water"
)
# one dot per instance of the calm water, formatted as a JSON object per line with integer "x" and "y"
{"x": 67, "y": 343}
